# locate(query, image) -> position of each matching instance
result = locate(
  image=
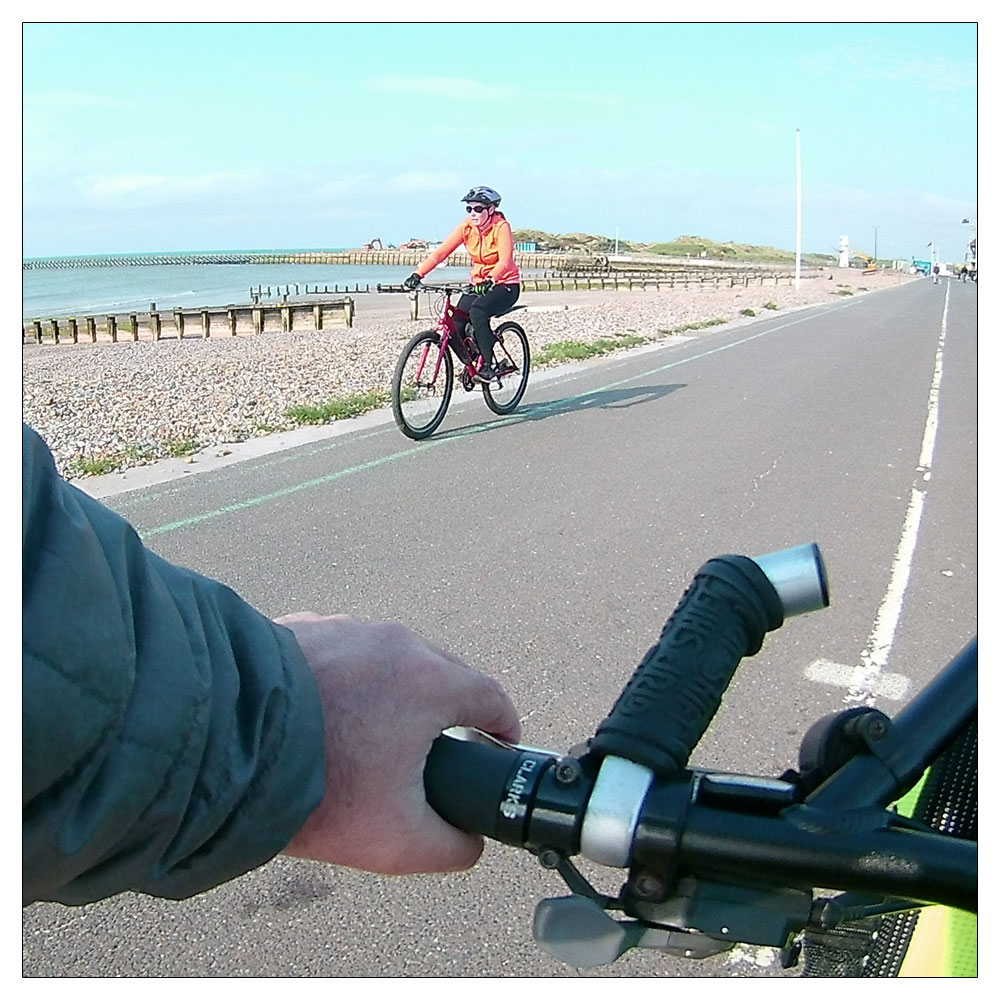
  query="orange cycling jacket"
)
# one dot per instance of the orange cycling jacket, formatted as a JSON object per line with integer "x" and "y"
{"x": 492, "y": 251}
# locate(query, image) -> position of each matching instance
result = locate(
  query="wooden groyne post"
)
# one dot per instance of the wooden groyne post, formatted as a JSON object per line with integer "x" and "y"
{"x": 149, "y": 326}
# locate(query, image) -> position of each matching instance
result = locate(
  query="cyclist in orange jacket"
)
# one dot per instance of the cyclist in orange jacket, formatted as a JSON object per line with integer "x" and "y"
{"x": 487, "y": 237}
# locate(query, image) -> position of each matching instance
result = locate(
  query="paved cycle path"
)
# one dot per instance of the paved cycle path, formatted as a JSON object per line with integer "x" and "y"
{"x": 591, "y": 508}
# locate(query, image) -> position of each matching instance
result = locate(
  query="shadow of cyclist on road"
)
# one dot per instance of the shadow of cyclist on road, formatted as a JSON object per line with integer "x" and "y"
{"x": 607, "y": 399}
{"x": 610, "y": 399}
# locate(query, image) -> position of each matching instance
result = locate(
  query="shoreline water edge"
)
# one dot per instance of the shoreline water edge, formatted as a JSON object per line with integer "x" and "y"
{"x": 112, "y": 407}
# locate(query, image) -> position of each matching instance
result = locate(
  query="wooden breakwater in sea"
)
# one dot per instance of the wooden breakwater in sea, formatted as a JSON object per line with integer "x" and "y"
{"x": 558, "y": 281}
{"x": 385, "y": 258}
{"x": 662, "y": 281}
{"x": 690, "y": 278}
{"x": 561, "y": 263}
{"x": 178, "y": 324}
{"x": 557, "y": 261}
{"x": 249, "y": 257}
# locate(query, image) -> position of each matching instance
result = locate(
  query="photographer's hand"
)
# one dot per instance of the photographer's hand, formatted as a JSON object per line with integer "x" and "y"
{"x": 386, "y": 695}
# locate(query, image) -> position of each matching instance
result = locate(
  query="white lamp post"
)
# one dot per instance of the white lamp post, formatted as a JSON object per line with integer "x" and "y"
{"x": 798, "y": 208}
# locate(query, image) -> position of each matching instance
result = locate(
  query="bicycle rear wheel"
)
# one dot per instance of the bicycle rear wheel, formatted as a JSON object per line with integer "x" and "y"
{"x": 422, "y": 385}
{"x": 512, "y": 361}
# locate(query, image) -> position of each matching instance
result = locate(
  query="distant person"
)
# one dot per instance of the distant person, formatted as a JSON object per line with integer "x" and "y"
{"x": 936, "y": 270}
{"x": 964, "y": 273}
{"x": 488, "y": 238}
{"x": 174, "y": 738}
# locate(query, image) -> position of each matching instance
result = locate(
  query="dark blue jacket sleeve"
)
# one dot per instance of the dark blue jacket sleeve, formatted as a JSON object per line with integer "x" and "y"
{"x": 172, "y": 736}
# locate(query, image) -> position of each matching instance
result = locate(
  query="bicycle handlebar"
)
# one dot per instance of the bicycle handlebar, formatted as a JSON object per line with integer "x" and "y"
{"x": 451, "y": 287}
{"x": 676, "y": 689}
{"x": 541, "y": 801}
{"x": 628, "y": 802}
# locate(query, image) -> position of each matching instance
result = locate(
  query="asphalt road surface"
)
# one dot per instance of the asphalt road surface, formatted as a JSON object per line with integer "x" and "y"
{"x": 547, "y": 548}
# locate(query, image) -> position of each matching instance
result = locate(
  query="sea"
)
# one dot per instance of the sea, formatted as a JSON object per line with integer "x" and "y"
{"x": 98, "y": 291}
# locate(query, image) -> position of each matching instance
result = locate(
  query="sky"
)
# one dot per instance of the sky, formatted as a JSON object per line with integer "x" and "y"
{"x": 225, "y": 136}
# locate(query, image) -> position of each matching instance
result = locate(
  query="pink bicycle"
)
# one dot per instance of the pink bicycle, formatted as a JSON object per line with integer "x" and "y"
{"x": 425, "y": 373}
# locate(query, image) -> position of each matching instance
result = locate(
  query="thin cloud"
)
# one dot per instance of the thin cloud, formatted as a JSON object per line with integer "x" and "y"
{"x": 128, "y": 190}
{"x": 421, "y": 181}
{"x": 452, "y": 88}
{"x": 461, "y": 88}
{"x": 347, "y": 185}
{"x": 112, "y": 187}
{"x": 74, "y": 100}
{"x": 867, "y": 63}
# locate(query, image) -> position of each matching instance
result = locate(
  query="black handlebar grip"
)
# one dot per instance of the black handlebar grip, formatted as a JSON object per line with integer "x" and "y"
{"x": 483, "y": 789}
{"x": 677, "y": 689}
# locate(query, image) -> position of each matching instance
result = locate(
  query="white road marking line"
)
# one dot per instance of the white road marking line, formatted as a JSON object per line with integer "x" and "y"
{"x": 890, "y": 686}
{"x": 869, "y": 680}
{"x": 761, "y": 957}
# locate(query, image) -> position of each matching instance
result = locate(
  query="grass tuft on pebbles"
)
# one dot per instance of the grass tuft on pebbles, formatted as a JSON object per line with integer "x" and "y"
{"x": 338, "y": 408}
{"x": 577, "y": 350}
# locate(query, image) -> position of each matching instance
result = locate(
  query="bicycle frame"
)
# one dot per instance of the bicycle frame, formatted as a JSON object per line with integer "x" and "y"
{"x": 902, "y": 752}
{"x": 445, "y": 325}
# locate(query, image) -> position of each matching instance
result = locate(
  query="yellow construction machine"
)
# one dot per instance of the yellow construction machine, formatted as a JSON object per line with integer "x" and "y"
{"x": 871, "y": 266}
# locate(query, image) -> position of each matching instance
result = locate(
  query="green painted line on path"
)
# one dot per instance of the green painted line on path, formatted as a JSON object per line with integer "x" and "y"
{"x": 539, "y": 408}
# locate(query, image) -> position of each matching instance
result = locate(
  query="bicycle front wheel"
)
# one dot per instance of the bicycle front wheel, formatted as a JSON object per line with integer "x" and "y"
{"x": 511, "y": 360}
{"x": 422, "y": 386}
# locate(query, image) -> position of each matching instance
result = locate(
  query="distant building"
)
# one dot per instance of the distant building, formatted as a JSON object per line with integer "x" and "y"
{"x": 845, "y": 252}
{"x": 529, "y": 246}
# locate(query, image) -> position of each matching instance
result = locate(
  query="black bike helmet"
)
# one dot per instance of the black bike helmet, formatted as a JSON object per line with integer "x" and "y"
{"x": 484, "y": 194}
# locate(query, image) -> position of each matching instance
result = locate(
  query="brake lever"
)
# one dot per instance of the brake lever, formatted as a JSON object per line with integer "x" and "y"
{"x": 470, "y": 735}
{"x": 576, "y": 930}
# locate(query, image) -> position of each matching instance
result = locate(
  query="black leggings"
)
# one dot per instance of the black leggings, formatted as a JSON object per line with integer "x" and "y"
{"x": 480, "y": 308}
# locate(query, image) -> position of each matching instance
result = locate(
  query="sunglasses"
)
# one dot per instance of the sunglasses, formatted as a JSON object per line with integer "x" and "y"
{"x": 476, "y": 208}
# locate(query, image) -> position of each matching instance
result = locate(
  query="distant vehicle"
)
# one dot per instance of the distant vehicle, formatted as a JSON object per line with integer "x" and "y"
{"x": 871, "y": 266}
{"x": 922, "y": 267}
{"x": 376, "y": 244}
